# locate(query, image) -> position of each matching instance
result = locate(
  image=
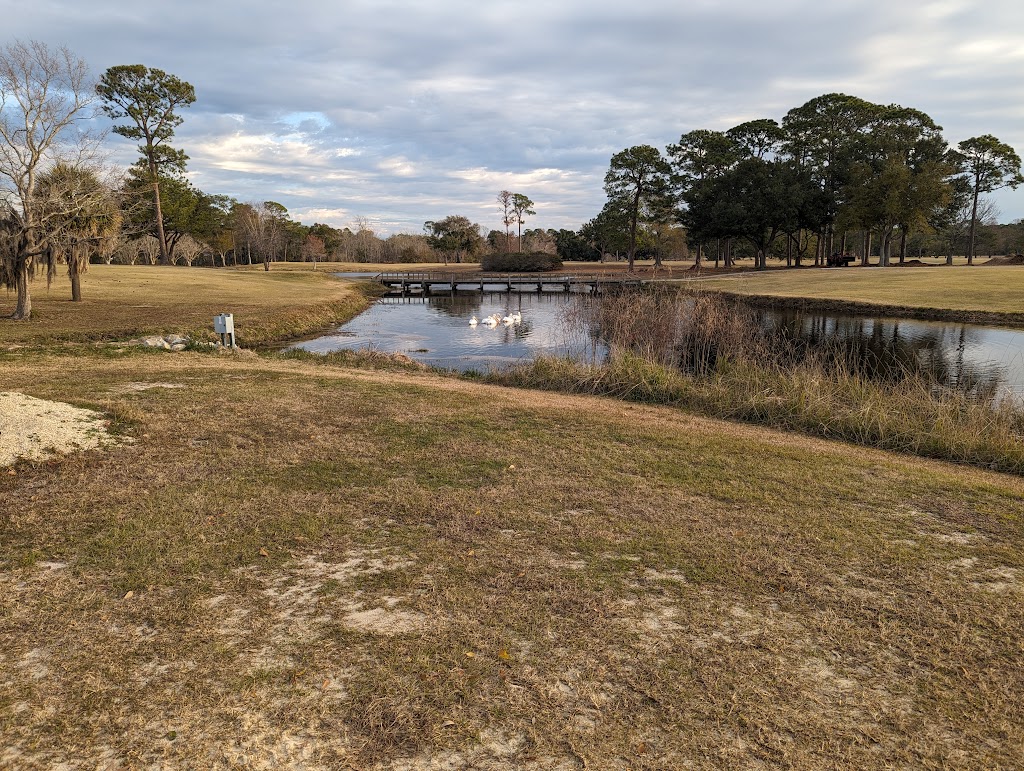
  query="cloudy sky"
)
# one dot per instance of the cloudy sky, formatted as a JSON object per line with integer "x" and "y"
{"x": 401, "y": 111}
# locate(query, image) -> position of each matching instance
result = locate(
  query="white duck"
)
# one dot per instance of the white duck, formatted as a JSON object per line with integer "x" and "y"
{"x": 491, "y": 321}
{"x": 473, "y": 322}
{"x": 517, "y": 317}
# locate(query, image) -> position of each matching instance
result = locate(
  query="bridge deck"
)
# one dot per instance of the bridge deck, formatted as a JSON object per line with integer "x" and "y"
{"x": 427, "y": 282}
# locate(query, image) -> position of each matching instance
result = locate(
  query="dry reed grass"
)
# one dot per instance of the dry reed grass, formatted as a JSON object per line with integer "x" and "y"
{"x": 704, "y": 354}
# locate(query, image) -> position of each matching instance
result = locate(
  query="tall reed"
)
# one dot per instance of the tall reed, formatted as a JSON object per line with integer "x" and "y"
{"x": 708, "y": 355}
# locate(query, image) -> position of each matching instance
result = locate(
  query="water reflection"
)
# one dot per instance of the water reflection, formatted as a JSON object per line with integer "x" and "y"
{"x": 435, "y": 330}
{"x": 983, "y": 362}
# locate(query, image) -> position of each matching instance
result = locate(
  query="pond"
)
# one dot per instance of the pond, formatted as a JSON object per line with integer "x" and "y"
{"x": 435, "y": 330}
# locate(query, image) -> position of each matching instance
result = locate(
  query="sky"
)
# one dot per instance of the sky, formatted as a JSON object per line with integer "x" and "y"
{"x": 401, "y": 111}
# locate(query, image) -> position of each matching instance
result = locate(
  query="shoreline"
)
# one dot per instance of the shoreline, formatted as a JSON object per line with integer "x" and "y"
{"x": 861, "y": 308}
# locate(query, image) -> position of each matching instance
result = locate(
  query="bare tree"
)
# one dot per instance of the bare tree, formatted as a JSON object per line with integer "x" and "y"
{"x": 44, "y": 93}
{"x": 313, "y": 250}
{"x": 507, "y": 216}
{"x": 148, "y": 248}
{"x": 189, "y": 249}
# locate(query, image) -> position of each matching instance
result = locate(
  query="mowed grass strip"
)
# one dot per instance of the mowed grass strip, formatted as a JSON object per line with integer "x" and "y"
{"x": 124, "y": 301}
{"x": 295, "y": 563}
{"x": 979, "y": 288}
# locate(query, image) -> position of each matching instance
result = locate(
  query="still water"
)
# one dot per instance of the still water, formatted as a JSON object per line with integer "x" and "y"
{"x": 435, "y": 330}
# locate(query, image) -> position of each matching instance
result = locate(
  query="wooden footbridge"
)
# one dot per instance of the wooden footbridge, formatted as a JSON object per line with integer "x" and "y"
{"x": 428, "y": 283}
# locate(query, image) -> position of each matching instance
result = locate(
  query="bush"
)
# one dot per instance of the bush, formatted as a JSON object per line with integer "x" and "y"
{"x": 535, "y": 262}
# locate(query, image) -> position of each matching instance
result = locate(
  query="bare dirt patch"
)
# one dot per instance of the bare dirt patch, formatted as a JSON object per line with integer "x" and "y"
{"x": 37, "y": 429}
{"x": 137, "y": 387}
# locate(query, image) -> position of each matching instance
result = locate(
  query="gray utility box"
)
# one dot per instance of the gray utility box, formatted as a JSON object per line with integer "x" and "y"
{"x": 224, "y": 325}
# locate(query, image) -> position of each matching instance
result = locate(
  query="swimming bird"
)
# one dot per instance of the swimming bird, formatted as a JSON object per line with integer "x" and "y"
{"x": 508, "y": 321}
{"x": 473, "y": 322}
{"x": 517, "y": 317}
{"x": 491, "y": 321}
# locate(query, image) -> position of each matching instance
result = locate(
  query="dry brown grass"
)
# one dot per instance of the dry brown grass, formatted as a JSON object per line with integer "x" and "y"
{"x": 302, "y": 565}
{"x": 122, "y": 301}
{"x": 703, "y": 353}
{"x": 960, "y": 290}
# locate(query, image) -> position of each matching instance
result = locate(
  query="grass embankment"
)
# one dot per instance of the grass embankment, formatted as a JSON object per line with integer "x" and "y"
{"x": 298, "y": 564}
{"x": 978, "y": 294}
{"x": 734, "y": 371}
{"x": 904, "y": 417}
{"x": 291, "y": 563}
{"x": 121, "y": 301}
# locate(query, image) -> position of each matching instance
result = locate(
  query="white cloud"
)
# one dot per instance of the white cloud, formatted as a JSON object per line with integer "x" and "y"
{"x": 405, "y": 111}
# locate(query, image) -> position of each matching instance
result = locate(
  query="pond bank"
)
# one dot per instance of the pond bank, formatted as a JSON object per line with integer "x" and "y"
{"x": 859, "y": 308}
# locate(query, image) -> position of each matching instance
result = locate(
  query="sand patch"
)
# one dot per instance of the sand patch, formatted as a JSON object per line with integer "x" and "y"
{"x": 37, "y": 429}
{"x": 385, "y": 622}
{"x": 143, "y": 386}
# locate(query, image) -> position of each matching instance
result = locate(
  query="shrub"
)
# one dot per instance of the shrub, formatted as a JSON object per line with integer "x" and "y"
{"x": 535, "y": 262}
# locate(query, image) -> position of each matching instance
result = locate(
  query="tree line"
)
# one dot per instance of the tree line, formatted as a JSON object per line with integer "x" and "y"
{"x": 61, "y": 206}
{"x": 837, "y": 173}
{"x": 834, "y": 170}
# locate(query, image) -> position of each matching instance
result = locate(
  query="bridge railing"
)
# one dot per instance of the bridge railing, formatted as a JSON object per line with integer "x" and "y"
{"x": 501, "y": 278}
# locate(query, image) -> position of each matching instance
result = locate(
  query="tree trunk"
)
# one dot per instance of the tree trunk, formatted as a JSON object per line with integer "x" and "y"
{"x": 903, "y": 245}
{"x": 866, "y": 257}
{"x": 789, "y": 250}
{"x": 165, "y": 257}
{"x": 632, "y": 228}
{"x": 23, "y": 308}
{"x": 76, "y": 285}
{"x": 700, "y": 257}
{"x": 718, "y": 252}
{"x": 974, "y": 220}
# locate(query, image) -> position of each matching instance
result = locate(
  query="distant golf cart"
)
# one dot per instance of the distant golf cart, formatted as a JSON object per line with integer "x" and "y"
{"x": 838, "y": 260}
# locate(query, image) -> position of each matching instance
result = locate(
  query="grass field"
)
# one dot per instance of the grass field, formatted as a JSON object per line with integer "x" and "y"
{"x": 122, "y": 301}
{"x": 983, "y": 289}
{"x": 291, "y": 564}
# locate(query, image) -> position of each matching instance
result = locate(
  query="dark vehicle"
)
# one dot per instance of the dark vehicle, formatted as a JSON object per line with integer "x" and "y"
{"x": 838, "y": 260}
